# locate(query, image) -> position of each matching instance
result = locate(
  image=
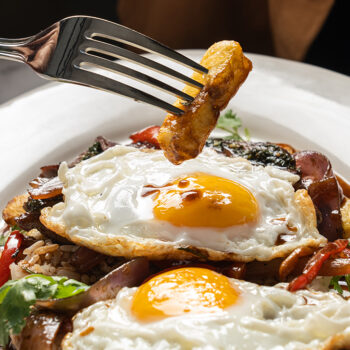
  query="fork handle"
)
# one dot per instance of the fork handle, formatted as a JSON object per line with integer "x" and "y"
{"x": 14, "y": 49}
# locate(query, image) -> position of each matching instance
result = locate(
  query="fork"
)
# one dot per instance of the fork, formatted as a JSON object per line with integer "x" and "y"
{"x": 65, "y": 51}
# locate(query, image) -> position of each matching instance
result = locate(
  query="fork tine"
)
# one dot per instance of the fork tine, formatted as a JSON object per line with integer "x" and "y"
{"x": 126, "y": 35}
{"x": 119, "y": 52}
{"x": 87, "y": 78}
{"x": 126, "y": 71}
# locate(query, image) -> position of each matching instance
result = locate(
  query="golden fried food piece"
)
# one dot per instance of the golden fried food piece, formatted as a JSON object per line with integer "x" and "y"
{"x": 184, "y": 137}
{"x": 14, "y": 208}
{"x": 345, "y": 216}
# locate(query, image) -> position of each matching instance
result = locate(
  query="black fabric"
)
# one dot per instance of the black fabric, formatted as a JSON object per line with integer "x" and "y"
{"x": 20, "y": 18}
{"x": 331, "y": 48}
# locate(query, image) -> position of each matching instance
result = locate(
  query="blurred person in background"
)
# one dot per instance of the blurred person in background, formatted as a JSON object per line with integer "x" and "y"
{"x": 315, "y": 31}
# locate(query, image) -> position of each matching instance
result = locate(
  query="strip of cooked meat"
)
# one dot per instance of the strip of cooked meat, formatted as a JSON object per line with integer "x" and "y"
{"x": 44, "y": 330}
{"x": 318, "y": 178}
{"x": 183, "y": 137}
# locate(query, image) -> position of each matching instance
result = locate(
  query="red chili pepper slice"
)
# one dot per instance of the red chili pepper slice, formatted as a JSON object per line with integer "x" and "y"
{"x": 149, "y": 135}
{"x": 8, "y": 255}
{"x": 292, "y": 260}
{"x": 315, "y": 263}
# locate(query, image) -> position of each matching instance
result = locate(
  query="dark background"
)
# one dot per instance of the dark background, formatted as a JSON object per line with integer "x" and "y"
{"x": 330, "y": 49}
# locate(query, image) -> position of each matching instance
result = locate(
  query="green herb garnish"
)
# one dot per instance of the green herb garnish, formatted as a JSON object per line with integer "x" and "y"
{"x": 334, "y": 283}
{"x": 33, "y": 205}
{"x": 18, "y": 297}
{"x": 92, "y": 151}
{"x": 231, "y": 123}
{"x": 3, "y": 238}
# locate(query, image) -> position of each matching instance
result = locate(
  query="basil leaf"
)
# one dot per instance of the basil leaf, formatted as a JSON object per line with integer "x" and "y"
{"x": 70, "y": 287}
{"x": 3, "y": 238}
{"x": 17, "y": 297}
{"x": 347, "y": 280}
{"x": 335, "y": 284}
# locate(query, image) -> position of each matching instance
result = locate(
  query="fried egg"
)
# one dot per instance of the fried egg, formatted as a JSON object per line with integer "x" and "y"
{"x": 129, "y": 202}
{"x": 196, "y": 308}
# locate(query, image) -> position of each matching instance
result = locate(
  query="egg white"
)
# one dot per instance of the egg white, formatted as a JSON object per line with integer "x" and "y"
{"x": 104, "y": 206}
{"x": 268, "y": 318}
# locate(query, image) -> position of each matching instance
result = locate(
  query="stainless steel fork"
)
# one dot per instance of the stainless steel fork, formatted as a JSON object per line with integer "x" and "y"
{"x": 64, "y": 51}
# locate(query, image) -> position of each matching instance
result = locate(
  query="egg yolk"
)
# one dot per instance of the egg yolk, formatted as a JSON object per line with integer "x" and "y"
{"x": 182, "y": 291}
{"x": 203, "y": 200}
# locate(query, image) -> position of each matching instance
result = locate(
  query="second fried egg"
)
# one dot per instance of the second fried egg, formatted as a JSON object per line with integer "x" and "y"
{"x": 196, "y": 308}
{"x": 130, "y": 202}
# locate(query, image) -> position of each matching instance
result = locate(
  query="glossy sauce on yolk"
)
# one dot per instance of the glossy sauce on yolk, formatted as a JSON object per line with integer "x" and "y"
{"x": 181, "y": 291}
{"x": 203, "y": 200}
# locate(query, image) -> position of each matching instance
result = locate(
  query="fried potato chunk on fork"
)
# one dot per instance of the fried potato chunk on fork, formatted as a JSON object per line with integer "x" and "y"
{"x": 183, "y": 137}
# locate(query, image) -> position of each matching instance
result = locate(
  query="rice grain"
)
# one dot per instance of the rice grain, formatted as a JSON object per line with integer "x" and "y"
{"x": 45, "y": 257}
{"x": 46, "y": 249}
{"x": 34, "y": 246}
{"x": 34, "y": 259}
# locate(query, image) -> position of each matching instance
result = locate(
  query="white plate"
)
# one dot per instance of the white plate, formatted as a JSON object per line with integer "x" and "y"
{"x": 281, "y": 100}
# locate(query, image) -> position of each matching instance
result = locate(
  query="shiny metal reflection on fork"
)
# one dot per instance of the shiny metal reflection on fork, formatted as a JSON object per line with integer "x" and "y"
{"x": 65, "y": 51}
